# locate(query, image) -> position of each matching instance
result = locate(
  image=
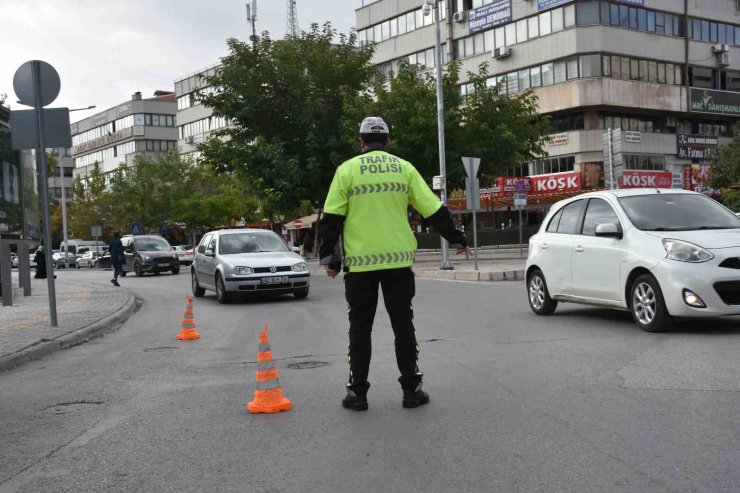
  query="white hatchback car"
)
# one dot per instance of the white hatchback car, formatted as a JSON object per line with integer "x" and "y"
{"x": 657, "y": 253}
{"x": 247, "y": 261}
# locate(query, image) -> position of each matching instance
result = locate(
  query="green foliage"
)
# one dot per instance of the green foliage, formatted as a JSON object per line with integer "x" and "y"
{"x": 726, "y": 170}
{"x": 285, "y": 101}
{"x": 731, "y": 200}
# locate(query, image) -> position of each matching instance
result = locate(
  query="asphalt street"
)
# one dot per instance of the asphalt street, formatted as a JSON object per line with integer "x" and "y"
{"x": 582, "y": 401}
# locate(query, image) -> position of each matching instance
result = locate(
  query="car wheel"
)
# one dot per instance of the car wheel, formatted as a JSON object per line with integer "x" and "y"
{"x": 156, "y": 272}
{"x": 97, "y": 264}
{"x": 175, "y": 270}
{"x": 137, "y": 269}
{"x": 90, "y": 265}
{"x": 221, "y": 295}
{"x": 647, "y": 305}
{"x": 300, "y": 294}
{"x": 538, "y": 295}
{"x": 77, "y": 264}
{"x": 198, "y": 292}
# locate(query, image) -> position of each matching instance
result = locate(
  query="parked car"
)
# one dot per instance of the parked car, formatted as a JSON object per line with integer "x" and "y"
{"x": 103, "y": 261}
{"x": 184, "y": 254}
{"x": 148, "y": 254}
{"x": 87, "y": 259}
{"x": 59, "y": 262}
{"x": 658, "y": 253}
{"x": 247, "y": 261}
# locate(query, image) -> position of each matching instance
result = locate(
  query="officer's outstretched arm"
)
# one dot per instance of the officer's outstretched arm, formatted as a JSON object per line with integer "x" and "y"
{"x": 442, "y": 221}
{"x": 330, "y": 227}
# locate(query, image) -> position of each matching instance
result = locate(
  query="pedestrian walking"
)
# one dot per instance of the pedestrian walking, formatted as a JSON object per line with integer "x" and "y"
{"x": 117, "y": 257}
{"x": 40, "y": 259}
{"x": 367, "y": 204}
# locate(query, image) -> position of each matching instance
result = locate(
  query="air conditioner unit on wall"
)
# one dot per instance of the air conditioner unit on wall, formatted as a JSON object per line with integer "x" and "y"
{"x": 189, "y": 140}
{"x": 459, "y": 17}
{"x": 725, "y": 59}
{"x": 502, "y": 52}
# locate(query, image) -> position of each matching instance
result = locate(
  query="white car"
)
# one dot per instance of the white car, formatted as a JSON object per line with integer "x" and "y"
{"x": 252, "y": 261}
{"x": 87, "y": 259}
{"x": 658, "y": 253}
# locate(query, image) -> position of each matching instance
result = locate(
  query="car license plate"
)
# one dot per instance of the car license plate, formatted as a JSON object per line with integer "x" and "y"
{"x": 275, "y": 280}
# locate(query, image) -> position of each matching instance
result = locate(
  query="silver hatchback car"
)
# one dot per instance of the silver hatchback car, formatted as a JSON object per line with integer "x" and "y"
{"x": 247, "y": 261}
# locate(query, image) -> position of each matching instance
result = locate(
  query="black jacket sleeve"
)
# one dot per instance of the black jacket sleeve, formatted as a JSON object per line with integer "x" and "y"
{"x": 330, "y": 227}
{"x": 442, "y": 221}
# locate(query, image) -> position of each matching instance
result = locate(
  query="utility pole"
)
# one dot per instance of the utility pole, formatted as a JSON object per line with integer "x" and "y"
{"x": 252, "y": 19}
{"x": 292, "y": 26}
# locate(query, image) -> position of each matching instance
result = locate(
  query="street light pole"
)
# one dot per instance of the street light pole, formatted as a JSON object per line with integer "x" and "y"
{"x": 427, "y": 10}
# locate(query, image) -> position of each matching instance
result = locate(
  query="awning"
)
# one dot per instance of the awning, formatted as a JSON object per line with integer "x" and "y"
{"x": 306, "y": 221}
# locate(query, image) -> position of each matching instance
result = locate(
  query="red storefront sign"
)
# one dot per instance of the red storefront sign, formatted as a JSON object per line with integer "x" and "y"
{"x": 646, "y": 179}
{"x": 556, "y": 183}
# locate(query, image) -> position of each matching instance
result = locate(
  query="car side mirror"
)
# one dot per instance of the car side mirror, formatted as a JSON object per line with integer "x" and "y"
{"x": 608, "y": 230}
{"x": 129, "y": 250}
{"x": 209, "y": 253}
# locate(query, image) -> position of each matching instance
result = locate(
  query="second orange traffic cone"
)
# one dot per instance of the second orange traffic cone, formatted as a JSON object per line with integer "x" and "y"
{"x": 187, "y": 331}
{"x": 268, "y": 398}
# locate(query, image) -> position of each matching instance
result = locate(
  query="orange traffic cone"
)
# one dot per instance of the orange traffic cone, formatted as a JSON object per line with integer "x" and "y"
{"x": 188, "y": 332}
{"x": 268, "y": 398}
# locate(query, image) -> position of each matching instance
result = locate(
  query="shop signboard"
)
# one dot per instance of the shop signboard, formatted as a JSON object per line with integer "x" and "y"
{"x": 489, "y": 16}
{"x": 646, "y": 179}
{"x": 696, "y": 146}
{"x": 556, "y": 183}
{"x": 716, "y": 102}
{"x": 505, "y": 186}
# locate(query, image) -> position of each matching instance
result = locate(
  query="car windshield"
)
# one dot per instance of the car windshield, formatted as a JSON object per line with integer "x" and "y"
{"x": 151, "y": 244}
{"x": 251, "y": 243}
{"x": 677, "y": 212}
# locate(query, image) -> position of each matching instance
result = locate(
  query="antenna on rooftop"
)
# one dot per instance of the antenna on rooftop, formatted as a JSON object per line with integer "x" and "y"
{"x": 252, "y": 19}
{"x": 292, "y": 26}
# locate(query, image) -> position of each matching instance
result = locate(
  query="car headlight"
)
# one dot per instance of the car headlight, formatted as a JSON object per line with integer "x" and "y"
{"x": 683, "y": 251}
{"x": 300, "y": 267}
{"x": 146, "y": 258}
{"x": 243, "y": 271}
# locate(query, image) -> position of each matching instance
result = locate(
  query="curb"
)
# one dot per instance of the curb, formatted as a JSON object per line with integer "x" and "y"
{"x": 71, "y": 339}
{"x": 476, "y": 276}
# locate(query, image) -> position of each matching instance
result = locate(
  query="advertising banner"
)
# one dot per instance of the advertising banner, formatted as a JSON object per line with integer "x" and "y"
{"x": 696, "y": 146}
{"x": 489, "y": 16}
{"x": 556, "y": 183}
{"x": 592, "y": 176}
{"x": 505, "y": 186}
{"x": 646, "y": 179}
{"x": 696, "y": 178}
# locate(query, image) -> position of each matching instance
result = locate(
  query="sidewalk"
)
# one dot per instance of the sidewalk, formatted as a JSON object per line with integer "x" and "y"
{"x": 83, "y": 312}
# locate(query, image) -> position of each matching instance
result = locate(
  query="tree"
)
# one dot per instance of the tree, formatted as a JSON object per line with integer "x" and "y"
{"x": 726, "y": 170}
{"x": 285, "y": 100}
{"x": 90, "y": 205}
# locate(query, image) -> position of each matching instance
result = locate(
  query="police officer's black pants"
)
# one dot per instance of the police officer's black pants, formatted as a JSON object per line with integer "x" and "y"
{"x": 361, "y": 291}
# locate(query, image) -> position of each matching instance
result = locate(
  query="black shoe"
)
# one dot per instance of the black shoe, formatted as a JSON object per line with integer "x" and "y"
{"x": 354, "y": 401}
{"x": 414, "y": 398}
{"x": 114, "y": 282}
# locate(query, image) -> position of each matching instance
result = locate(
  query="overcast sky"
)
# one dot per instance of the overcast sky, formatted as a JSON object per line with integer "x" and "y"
{"x": 105, "y": 50}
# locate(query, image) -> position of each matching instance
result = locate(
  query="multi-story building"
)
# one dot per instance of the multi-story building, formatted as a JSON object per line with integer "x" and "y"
{"x": 666, "y": 78}
{"x": 116, "y": 135}
{"x": 63, "y": 176}
{"x": 195, "y": 121}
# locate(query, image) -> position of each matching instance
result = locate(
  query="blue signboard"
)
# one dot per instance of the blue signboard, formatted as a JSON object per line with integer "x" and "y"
{"x": 547, "y": 4}
{"x": 136, "y": 229}
{"x": 488, "y": 16}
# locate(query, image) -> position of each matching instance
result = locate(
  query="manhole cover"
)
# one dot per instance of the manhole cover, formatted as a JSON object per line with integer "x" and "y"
{"x": 69, "y": 407}
{"x": 159, "y": 349}
{"x": 307, "y": 365}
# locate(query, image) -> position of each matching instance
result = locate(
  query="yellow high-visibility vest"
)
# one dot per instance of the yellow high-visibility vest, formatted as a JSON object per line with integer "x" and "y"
{"x": 372, "y": 191}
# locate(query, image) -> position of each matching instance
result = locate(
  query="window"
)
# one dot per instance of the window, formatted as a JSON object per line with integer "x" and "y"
{"x": 633, "y": 18}
{"x": 598, "y": 212}
{"x": 643, "y": 70}
{"x": 557, "y": 19}
{"x": 668, "y": 25}
{"x": 713, "y": 32}
{"x": 547, "y": 74}
{"x": 659, "y": 23}
{"x": 570, "y": 217}
{"x": 702, "y": 77}
{"x": 524, "y": 80}
{"x": 521, "y": 31}
{"x": 590, "y": 65}
{"x": 545, "y": 27}
{"x": 625, "y": 67}
{"x": 559, "y": 72}
{"x": 411, "y": 21}
{"x": 394, "y": 27}
{"x": 614, "y": 14}
{"x": 510, "y": 33}
{"x": 402, "y": 25}
{"x": 606, "y": 65}
{"x": 572, "y": 68}
{"x": 533, "y": 27}
{"x": 661, "y": 73}
{"x": 652, "y": 71}
{"x": 651, "y": 21}
{"x": 634, "y": 69}
{"x": 500, "y": 37}
{"x": 535, "y": 76}
{"x": 670, "y": 71}
{"x": 616, "y": 66}
{"x": 569, "y": 15}
{"x": 202, "y": 247}
{"x": 644, "y": 162}
{"x": 642, "y": 19}
{"x": 512, "y": 80}
{"x": 624, "y": 17}
{"x": 588, "y": 13}
{"x": 705, "y": 30}
{"x": 553, "y": 226}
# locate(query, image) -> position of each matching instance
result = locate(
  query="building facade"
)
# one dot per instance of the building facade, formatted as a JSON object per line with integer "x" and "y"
{"x": 664, "y": 79}
{"x": 116, "y": 135}
{"x": 195, "y": 121}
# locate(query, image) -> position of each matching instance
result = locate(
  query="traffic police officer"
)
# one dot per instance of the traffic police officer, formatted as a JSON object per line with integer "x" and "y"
{"x": 368, "y": 205}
